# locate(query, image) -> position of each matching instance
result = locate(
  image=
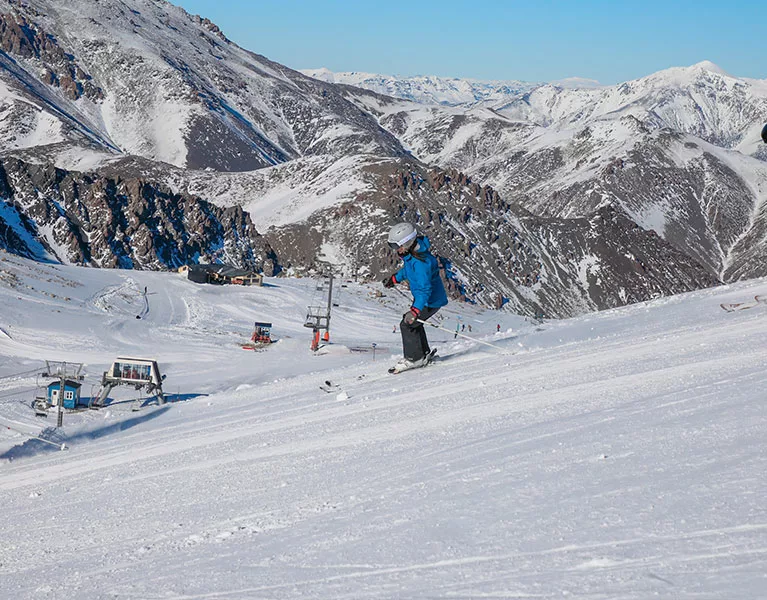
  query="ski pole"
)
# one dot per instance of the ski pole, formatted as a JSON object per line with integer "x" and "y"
{"x": 503, "y": 350}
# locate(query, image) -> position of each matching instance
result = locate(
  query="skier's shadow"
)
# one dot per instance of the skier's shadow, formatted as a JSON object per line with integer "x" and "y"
{"x": 452, "y": 356}
{"x": 471, "y": 350}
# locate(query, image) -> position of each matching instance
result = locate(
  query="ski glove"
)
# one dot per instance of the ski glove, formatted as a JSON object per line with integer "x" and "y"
{"x": 389, "y": 281}
{"x": 410, "y": 316}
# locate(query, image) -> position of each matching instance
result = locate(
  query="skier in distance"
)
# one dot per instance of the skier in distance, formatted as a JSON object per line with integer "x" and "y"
{"x": 421, "y": 270}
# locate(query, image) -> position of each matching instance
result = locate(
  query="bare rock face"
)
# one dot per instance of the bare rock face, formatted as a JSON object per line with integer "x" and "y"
{"x": 27, "y": 39}
{"x": 492, "y": 252}
{"x": 108, "y": 222}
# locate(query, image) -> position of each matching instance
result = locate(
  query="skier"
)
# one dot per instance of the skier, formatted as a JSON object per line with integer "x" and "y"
{"x": 421, "y": 270}
{"x": 764, "y": 134}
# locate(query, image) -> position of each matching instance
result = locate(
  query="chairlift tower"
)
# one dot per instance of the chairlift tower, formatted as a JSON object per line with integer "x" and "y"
{"x": 318, "y": 317}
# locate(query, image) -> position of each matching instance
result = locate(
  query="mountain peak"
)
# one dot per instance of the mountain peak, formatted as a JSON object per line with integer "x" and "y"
{"x": 323, "y": 74}
{"x": 707, "y": 65}
{"x": 684, "y": 76}
{"x": 575, "y": 83}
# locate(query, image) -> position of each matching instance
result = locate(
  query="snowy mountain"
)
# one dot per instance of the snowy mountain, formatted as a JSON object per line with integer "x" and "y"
{"x": 613, "y": 455}
{"x": 146, "y": 78}
{"x": 677, "y": 152}
{"x": 446, "y": 91}
{"x": 701, "y": 100}
{"x": 428, "y": 89}
{"x": 138, "y": 136}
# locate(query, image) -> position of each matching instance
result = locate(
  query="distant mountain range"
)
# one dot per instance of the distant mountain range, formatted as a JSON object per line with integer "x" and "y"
{"x": 447, "y": 91}
{"x": 136, "y": 135}
{"x": 678, "y": 152}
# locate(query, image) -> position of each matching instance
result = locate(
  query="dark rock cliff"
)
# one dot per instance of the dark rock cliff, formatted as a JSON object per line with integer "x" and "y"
{"x": 110, "y": 222}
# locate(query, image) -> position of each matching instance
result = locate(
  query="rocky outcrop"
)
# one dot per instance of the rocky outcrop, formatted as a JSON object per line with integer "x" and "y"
{"x": 493, "y": 252}
{"x": 211, "y": 26}
{"x": 90, "y": 219}
{"x": 25, "y": 38}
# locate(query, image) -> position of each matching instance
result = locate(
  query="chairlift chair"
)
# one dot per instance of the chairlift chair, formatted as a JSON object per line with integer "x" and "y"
{"x": 141, "y": 373}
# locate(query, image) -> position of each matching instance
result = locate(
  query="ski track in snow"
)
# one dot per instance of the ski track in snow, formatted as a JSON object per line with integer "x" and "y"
{"x": 614, "y": 456}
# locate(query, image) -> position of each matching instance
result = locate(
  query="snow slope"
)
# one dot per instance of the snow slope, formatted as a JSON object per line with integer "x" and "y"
{"x": 618, "y": 455}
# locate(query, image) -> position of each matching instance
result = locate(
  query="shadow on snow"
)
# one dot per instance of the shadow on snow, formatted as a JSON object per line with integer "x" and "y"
{"x": 34, "y": 446}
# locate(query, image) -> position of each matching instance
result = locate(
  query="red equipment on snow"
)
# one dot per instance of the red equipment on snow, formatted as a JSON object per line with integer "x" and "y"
{"x": 262, "y": 336}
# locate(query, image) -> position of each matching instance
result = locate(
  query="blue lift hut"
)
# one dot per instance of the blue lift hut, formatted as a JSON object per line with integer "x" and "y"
{"x": 62, "y": 392}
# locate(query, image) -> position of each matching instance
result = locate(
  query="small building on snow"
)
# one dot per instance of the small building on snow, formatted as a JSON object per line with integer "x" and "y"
{"x": 71, "y": 393}
{"x": 222, "y": 275}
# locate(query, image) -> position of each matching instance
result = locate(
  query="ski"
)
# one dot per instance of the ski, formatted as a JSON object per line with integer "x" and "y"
{"x": 430, "y": 358}
{"x": 734, "y": 306}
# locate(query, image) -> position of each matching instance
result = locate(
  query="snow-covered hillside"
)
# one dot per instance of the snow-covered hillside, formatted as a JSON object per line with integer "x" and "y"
{"x": 616, "y": 455}
{"x": 145, "y": 78}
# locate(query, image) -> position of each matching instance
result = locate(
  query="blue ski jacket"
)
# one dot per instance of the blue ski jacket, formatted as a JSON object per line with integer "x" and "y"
{"x": 423, "y": 276}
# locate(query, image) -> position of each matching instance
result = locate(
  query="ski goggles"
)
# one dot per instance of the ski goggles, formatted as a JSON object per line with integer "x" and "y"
{"x": 403, "y": 243}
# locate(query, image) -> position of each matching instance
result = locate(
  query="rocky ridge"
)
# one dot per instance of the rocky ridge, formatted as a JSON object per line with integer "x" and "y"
{"x": 94, "y": 220}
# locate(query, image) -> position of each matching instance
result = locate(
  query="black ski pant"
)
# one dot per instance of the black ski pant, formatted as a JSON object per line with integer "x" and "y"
{"x": 414, "y": 343}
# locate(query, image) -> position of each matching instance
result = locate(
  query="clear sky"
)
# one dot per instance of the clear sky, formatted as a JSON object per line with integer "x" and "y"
{"x": 529, "y": 40}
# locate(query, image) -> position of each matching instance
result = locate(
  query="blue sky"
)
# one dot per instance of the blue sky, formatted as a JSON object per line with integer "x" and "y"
{"x": 532, "y": 40}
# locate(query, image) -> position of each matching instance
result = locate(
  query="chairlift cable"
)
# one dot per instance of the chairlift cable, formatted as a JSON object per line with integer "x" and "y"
{"x": 22, "y": 373}
{"x": 17, "y": 391}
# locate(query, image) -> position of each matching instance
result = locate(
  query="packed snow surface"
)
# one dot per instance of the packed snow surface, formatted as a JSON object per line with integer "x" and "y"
{"x": 616, "y": 456}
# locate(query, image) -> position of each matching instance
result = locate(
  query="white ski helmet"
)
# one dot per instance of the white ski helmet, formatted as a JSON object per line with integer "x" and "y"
{"x": 401, "y": 234}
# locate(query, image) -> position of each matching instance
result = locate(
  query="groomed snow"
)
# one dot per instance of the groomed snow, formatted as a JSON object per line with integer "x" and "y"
{"x": 616, "y": 456}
